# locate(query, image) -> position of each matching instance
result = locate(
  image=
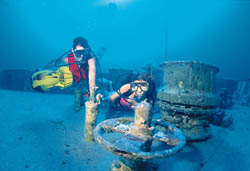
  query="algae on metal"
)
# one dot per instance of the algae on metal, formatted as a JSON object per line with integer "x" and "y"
{"x": 137, "y": 134}
{"x": 188, "y": 97}
{"x": 91, "y": 111}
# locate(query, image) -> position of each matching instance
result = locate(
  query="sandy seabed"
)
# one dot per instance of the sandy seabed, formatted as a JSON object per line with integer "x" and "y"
{"x": 42, "y": 132}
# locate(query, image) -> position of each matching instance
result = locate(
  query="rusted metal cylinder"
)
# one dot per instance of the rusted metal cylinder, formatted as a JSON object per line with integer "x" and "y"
{"x": 142, "y": 124}
{"x": 143, "y": 116}
{"x": 142, "y": 120}
{"x": 188, "y": 96}
{"x": 91, "y": 111}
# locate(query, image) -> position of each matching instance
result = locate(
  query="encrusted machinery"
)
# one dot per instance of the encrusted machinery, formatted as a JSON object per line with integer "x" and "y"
{"x": 188, "y": 96}
{"x": 139, "y": 139}
{"x": 91, "y": 111}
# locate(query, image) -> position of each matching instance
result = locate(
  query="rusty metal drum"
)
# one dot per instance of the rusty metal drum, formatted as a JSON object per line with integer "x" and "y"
{"x": 188, "y": 96}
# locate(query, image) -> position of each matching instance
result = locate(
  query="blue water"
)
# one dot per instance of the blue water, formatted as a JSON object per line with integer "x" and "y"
{"x": 40, "y": 132}
{"x": 134, "y": 33}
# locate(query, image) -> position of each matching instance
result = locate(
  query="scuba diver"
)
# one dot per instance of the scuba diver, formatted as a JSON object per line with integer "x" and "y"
{"x": 140, "y": 88}
{"x": 81, "y": 64}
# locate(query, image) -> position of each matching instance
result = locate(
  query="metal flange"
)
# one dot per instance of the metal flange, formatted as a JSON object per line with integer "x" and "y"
{"x": 129, "y": 145}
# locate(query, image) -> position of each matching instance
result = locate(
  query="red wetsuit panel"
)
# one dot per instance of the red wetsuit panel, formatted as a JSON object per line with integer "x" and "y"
{"x": 73, "y": 67}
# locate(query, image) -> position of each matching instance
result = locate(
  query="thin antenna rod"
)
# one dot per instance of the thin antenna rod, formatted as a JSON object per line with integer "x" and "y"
{"x": 166, "y": 43}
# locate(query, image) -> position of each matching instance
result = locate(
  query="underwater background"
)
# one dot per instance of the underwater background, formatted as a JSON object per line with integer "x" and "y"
{"x": 40, "y": 131}
{"x": 130, "y": 33}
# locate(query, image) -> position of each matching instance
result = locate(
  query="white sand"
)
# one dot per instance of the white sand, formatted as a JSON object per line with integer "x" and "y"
{"x": 42, "y": 132}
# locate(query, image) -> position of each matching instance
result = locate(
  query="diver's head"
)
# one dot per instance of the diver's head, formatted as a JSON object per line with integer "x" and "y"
{"x": 141, "y": 84}
{"x": 140, "y": 87}
{"x": 80, "y": 41}
{"x": 80, "y": 48}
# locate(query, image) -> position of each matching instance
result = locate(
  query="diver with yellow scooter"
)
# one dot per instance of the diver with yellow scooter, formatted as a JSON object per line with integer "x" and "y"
{"x": 78, "y": 66}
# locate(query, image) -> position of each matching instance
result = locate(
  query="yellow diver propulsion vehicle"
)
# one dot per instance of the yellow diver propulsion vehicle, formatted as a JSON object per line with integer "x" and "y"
{"x": 46, "y": 79}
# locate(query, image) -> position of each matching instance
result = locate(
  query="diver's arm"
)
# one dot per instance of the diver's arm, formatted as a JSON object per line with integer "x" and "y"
{"x": 121, "y": 91}
{"x": 92, "y": 74}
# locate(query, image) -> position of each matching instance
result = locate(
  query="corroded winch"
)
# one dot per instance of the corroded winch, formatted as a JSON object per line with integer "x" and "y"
{"x": 188, "y": 96}
{"x": 134, "y": 139}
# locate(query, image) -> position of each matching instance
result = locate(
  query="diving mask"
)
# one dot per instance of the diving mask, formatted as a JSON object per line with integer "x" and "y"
{"x": 82, "y": 52}
{"x": 142, "y": 85}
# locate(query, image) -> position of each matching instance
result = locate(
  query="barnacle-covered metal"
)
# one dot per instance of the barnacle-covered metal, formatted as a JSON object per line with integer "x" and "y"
{"x": 138, "y": 139}
{"x": 188, "y": 96}
{"x": 91, "y": 111}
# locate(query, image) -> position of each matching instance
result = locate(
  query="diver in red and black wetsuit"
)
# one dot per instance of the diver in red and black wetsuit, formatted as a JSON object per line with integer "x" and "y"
{"x": 82, "y": 64}
{"x": 141, "y": 88}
